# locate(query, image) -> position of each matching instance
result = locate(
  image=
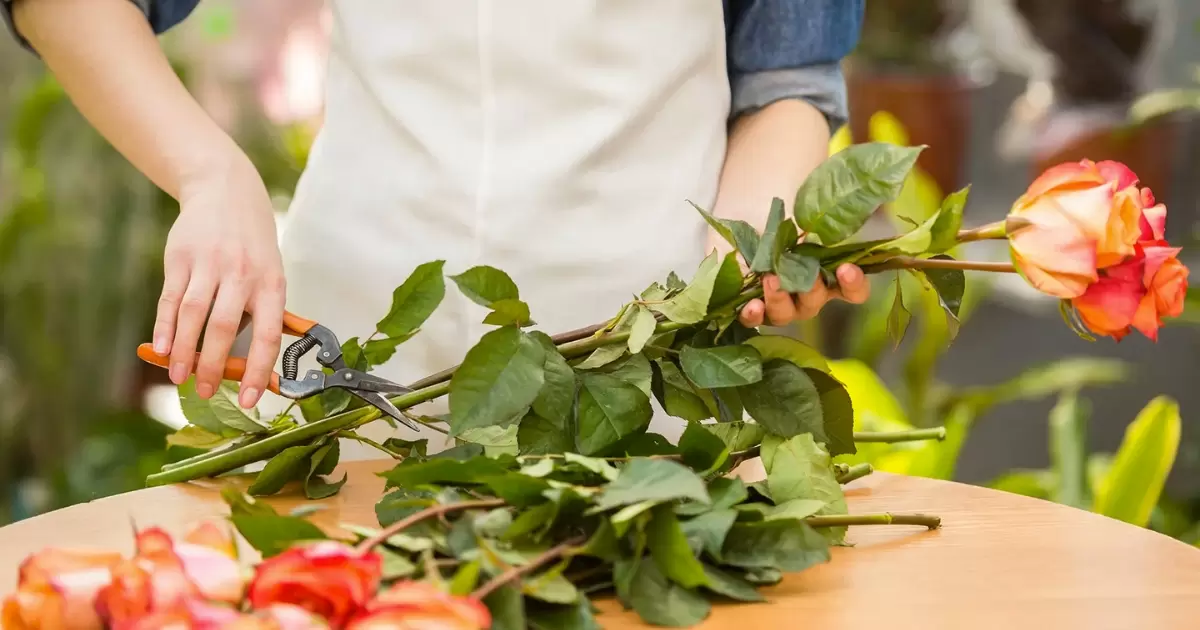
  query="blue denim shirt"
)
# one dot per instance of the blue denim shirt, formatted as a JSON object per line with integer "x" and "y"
{"x": 777, "y": 49}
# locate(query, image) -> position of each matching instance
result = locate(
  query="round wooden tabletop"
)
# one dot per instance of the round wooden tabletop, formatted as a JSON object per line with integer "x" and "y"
{"x": 999, "y": 561}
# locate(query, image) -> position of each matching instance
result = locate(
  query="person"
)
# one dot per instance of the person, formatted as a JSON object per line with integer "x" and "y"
{"x": 558, "y": 141}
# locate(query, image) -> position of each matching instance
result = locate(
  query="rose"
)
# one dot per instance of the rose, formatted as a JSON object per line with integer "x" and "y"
{"x": 421, "y": 606}
{"x": 327, "y": 578}
{"x": 1075, "y": 218}
{"x": 55, "y": 590}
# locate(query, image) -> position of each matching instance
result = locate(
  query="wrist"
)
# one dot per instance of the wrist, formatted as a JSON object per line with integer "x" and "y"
{"x": 222, "y": 167}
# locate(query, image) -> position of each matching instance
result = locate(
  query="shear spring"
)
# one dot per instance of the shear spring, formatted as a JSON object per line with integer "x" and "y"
{"x": 291, "y": 356}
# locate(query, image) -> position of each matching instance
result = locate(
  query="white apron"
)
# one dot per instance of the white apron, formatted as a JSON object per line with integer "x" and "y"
{"x": 558, "y": 141}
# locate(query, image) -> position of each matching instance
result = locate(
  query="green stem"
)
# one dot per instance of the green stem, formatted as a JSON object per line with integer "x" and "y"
{"x": 844, "y": 520}
{"x": 909, "y": 262}
{"x": 855, "y": 472}
{"x": 369, "y": 442}
{"x": 990, "y": 232}
{"x": 915, "y": 435}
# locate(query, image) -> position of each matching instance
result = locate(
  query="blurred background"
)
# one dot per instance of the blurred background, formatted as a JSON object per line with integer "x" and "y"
{"x": 998, "y": 90}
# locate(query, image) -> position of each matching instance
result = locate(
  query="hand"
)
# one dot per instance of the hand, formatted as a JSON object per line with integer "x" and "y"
{"x": 778, "y": 308}
{"x": 222, "y": 253}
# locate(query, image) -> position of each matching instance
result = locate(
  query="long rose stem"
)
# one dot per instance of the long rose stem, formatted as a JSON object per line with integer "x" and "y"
{"x": 989, "y": 232}
{"x": 427, "y": 513}
{"x": 909, "y": 262}
{"x": 891, "y": 437}
{"x": 513, "y": 573}
{"x": 843, "y": 520}
{"x": 855, "y": 472}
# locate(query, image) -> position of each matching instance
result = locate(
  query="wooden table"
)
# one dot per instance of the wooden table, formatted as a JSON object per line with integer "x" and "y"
{"x": 999, "y": 561}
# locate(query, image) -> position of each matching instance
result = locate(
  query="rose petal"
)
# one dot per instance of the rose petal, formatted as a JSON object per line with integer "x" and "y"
{"x": 1108, "y": 307}
{"x": 1052, "y": 252}
{"x": 217, "y": 575}
{"x": 1153, "y": 222}
{"x": 209, "y": 534}
{"x": 1071, "y": 175}
{"x": 1117, "y": 172}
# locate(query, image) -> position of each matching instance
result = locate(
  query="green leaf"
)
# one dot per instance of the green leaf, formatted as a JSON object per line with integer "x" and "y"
{"x": 557, "y": 396}
{"x": 289, "y": 465}
{"x": 785, "y": 402}
{"x": 669, "y": 548}
{"x": 395, "y": 566}
{"x": 764, "y": 258}
{"x": 1044, "y": 380}
{"x": 642, "y": 329}
{"x": 551, "y": 587}
{"x": 785, "y": 545}
{"x": 510, "y": 311}
{"x": 797, "y": 273}
{"x": 1068, "y": 450}
{"x": 763, "y": 576}
{"x": 192, "y": 436}
{"x": 609, "y": 410}
{"x": 486, "y": 285}
{"x": 836, "y": 199}
{"x": 220, "y": 414}
{"x": 380, "y": 351}
{"x": 272, "y": 534}
{"x": 789, "y": 349}
{"x": 723, "y": 366}
{"x": 465, "y": 579}
{"x": 738, "y": 436}
{"x": 518, "y": 489}
{"x": 541, "y": 436}
{"x": 1039, "y": 484}
{"x": 702, "y": 451}
{"x": 647, "y": 444}
{"x": 593, "y": 464}
{"x": 607, "y": 354}
{"x": 708, "y": 530}
{"x": 690, "y": 305}
{"x": 323, "y": 462}
{"x": 799, "y": 468}
{"x": 652, "y": 480}
{"x": 731, "y": 586}
{"x": 728, "y": 284}
{"x": 949, "y": 221}
{"x": 444, "y": 470}
{"x": 660, "y": 602}
{"x": 533, "y": 521}
{"x": 898, "y": 317}
{"x": 415, "y": 449}
{"x": 633, "y": 369}
{"x": 507, "y": 606}
{"x": 1140, "y": 468}
{"x": 915, "y": 241}
{"x": 499, "y": 379}
{"x": 575, "y": 617}
{"x": 739, "y": 234}
{"x": 796, "y": 509}
{"x": 950, "y": 285}
{"x": 837, "y": 413}
{"x": 675, "y": 283}
{"x": 496, "y": 440}
{"x": 676, "y": 395}
{"x": 414, "y": 301}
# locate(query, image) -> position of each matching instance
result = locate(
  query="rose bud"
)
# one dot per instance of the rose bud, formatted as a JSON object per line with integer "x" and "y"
{"x": 328, "y": 578}
{"x": 56, "y": 589}
{"x": 420, "y": 605}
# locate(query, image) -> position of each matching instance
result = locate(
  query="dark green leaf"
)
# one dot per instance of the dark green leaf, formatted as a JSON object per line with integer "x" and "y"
{"x": 731, "y": 586}
{"x": 557, "y": 395}
{"x": 950, "y": 285}
{"x": 738, "y": 436}
{"x": 322, "y": 463}
{"x": 379, "y": 351}
{"x": 642, "y": 328}
{"x": 609, "y": 410}
{"x": 633, "y": 369}
{"x": 764, "y": 576}
{"x": 401, "y": 503}
{"x": 415, "y": 449}
{"x": 460, "y": 539}
{"x": 271, "y": 534}
{"x": 799, "y": 468}
{"x": 542, "y": 436}
{"x": 532, "y": 521}
{"x": 949, "y": 222}
{"x": 790, "y": 349}
{"x": 837, "y": 413}
{"x": 465, "y": 579}
{"x": 486, "y": 285}
{"x": 786, "y": 545}
{"x": 353, "y": 356}
{"x": 898, "y": 317}
{"x": 797, "y": 273}
{"x": 726, "y": 492}
{"x": 652, "y": 480}
{"x": 508, "y": 311}
{"x": 444, "y": 470}
{"x": 518, "y": 489}
{"x": 461, "y": 453}
{"x": 676, "y": 395}
{"x": 648, "y": 444}
{"x": 603, "y": 544}
{"x": 578, "y": 616}
{"x": 723, "y": 366}
{"x": 499, "y": 379}
{"x": 551, "y": 587}
{"x": 728, "y": 403}
{"x": 690, "y": 305}
{"x": 670, "y": 549}
{"x": 289, "y": 465}
{"x": 702, "y": 450}
{"x": 836, "y": 199}
{"x": 707, "y": 531}
{"x": 414, "y": 301}
{"x": 785, "y": 402}
{"x": 739, "y": 234}
{"x": 660, "y": 602}
{"x": 494, "y": 523}
{"x": 675, "y": 283}
{"x": 764, "y": 258}
{"x": 507, "y": 606}
{"x": 495, "y": 440}
{"x": 785, "y": 239}
{"x": 728, "y": 284}
{"x": 220, "y": 414}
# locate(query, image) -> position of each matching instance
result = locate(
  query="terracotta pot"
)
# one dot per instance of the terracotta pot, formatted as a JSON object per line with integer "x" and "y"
{"x": 935, "y": 109}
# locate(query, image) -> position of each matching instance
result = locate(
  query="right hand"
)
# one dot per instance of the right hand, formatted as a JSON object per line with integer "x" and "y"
{"x": 223, "y": 253}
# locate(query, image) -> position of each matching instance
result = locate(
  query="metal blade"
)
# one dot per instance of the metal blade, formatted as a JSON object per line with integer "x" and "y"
{"x": 355, "y": 379}
{"x": 386, "y": 406}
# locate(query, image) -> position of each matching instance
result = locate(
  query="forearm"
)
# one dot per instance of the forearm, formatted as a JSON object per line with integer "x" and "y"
{"x": 770, "y": 153}
{"x": 109, "y": 62}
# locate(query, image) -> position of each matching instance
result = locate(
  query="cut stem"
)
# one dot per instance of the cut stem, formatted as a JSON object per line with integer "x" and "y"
{"x": 369, "y": 442}
{"x": 990, "y": 232}
{"x": 845, "y": 520}
{"x": 915, "y": 435}
{"x": 427, "y": 513}
{"x": 514, "y": 573}
{"x": 909, "y": 262}
{"x": 855, "y": 472}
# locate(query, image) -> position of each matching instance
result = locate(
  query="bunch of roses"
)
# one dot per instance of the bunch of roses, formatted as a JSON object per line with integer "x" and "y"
{"x": 198, "y": 584}
{"x": 1086, "y": 233}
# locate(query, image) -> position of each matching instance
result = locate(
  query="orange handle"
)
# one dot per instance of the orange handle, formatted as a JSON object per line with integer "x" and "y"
{"x": 235, "y": 367}
{"x": 295, "y": 325}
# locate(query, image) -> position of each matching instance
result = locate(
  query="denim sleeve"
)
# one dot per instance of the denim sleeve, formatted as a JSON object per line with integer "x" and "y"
{"x": 780, "y": 49}
{"x": 162, "y": 15}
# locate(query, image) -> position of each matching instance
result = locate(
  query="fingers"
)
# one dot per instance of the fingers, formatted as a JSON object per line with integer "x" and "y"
{"x": 175, "y": 283}
{"x": 780, "y": 308}
{"x": 267, "y": 309}
{"x": 751, "y": 315}
{"x": 854, "y": 287}
{"x": 219, "y": 335}
{"x": 811, "y": 303}
{"x": 193, "y": 310}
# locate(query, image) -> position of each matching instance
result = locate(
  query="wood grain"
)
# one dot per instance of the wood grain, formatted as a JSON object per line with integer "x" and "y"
{"x": 999, "y": 561}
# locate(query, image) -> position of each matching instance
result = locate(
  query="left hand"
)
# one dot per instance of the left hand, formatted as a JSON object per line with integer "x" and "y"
{"x": 778, "y": 308}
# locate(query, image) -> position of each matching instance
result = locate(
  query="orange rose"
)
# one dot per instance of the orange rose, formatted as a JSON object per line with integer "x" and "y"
{"x": 1166, "y": 282}
{"x": 328, "y": 578}
{"x": 1108, "y": 306}
{"x": 56, "y": 589}
{"x": 1075, "y": 218}
{"x": 421, "y": 606}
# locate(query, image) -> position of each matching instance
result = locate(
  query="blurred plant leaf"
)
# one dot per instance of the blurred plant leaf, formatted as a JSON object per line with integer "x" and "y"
{"x": 1068, "y": 450}
{"x": 1140, "y": 468}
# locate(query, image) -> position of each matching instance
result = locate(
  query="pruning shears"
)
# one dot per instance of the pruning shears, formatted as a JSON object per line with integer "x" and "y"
{"x": 371, "y": 389}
